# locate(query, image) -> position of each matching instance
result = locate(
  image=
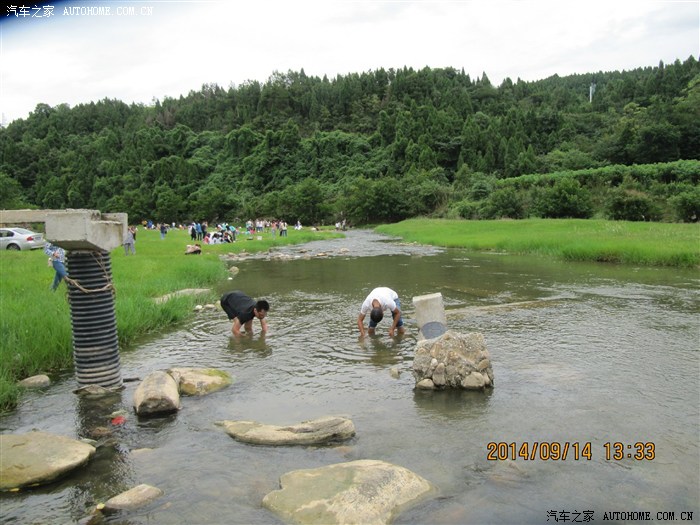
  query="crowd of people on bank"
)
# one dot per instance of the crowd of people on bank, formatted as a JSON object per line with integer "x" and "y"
{"x": 224, "y": 232}
{"x": 200, "y": 232}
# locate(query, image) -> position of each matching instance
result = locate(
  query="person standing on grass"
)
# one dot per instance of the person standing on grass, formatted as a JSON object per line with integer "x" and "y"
{"x": 377, "y": 301}
{"x": 57, "y": 259}
{"x": 242, "y": 310}
{"x": 130, "y": 241}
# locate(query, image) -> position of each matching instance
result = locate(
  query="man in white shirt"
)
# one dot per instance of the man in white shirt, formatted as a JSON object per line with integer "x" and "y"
{"x": 377, "y": 301}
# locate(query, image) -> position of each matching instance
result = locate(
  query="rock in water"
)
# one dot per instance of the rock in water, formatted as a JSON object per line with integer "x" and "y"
{"x": 453, "y": 360}
{"x": 366, "y": 491}
{"x": 199, "y": 381}
{"x": 134, "y": 498}
{"x": 157, "y": 394}
{"x": 313, "y": 432}
{"x": 39, "y": 457}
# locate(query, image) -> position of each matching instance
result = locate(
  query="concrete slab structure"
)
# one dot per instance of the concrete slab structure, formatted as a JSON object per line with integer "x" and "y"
{"x": 75, "y": 229}
{"x": 430, "y": 315}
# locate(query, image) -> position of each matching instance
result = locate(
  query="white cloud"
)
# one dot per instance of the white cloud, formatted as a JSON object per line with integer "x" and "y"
{"x": 182, "y": 45}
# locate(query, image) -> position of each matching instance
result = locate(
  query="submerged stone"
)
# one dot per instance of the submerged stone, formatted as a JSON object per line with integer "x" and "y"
{"x": 366, "y": 491}
{"x": 39, "y": 457}
{"x": 313, "y": 432}
{"x": 95, "y": 391}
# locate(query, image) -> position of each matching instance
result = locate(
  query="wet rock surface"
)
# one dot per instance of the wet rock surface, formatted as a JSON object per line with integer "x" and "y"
{"x": 39, "y": 457}
{"x": 199, "y": 381}
{"x": 364, "y": 491}
{"x": 133, "y": 498}
{"x": 157, "y": 394}
{"x": 312, "y": 432}
{"x": 453, "y": 360}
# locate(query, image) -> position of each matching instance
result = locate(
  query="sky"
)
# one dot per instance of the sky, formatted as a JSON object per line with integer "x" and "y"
{"x": 138, "y": 51}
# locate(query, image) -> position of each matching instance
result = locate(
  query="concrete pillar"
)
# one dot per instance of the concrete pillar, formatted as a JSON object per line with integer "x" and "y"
{"x": 430, "y": 315}
{"x": 87, "y": 236}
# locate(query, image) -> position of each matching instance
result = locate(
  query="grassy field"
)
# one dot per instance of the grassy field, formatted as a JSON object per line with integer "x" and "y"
{"x": 35, "y": 322}
{"x": 634, "y": 243}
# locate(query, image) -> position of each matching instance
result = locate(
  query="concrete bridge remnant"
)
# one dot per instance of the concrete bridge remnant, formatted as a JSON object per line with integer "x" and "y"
{"x": 88, "y": 236}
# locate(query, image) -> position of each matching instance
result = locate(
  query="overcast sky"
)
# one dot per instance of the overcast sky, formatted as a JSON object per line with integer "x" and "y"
{"x": 146, "y": 50}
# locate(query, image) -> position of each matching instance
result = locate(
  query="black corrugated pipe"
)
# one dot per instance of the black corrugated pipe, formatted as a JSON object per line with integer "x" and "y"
{"x": 91, "y": 296}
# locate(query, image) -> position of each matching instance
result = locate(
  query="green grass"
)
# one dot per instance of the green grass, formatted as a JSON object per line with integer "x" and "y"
{"x": 35, "y": 322}
{"x": 634, "y": 243}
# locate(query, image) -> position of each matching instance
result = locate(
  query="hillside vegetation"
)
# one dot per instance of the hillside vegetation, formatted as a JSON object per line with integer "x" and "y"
{"x": 373, "y": 147}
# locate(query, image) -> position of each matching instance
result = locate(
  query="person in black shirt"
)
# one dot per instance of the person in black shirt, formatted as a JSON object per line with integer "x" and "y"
{"x": 242, "y": 310}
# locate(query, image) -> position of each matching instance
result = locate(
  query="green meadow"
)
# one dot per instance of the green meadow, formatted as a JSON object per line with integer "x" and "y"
{"x": 634, "y": 243}
{"x": 35, "y": 322}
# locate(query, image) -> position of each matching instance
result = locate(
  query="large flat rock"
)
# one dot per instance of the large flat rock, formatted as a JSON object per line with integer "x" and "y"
{"x": 39, "y": 457}
{"x": 312, "y": 432}
{"x": 367, "y": 491}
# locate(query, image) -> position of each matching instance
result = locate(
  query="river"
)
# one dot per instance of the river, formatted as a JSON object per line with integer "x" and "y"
{"x": 583, "y": 355}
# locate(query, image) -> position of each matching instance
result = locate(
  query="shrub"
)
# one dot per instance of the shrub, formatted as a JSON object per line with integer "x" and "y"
{"x": 465, "y": 209}
{"x": 631, "y": 205}
{"x": 565, "y": 199}
{"x": 504, "y": 203}
{"x": 686, "y": 205}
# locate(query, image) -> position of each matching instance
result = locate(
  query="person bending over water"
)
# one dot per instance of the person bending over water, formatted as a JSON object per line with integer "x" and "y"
{"x": 377, "y": 301}
{"x": 242, "y": 310}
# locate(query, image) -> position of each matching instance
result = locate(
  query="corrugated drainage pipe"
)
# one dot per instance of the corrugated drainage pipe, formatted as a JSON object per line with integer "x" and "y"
{"x": 91, "y": 296}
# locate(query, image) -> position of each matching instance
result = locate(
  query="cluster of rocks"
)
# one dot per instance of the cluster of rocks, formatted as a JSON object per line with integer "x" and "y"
{"x": 453, "y": 360}
{"x": 276, "y": 255}
{"x": 159, "y": 392}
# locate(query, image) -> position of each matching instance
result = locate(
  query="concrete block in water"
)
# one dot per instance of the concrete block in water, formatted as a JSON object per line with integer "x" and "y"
{"x": 430, "y": 315}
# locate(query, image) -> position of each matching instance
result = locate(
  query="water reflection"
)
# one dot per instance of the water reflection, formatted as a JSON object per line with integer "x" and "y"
{"x": 449, "y": 404}
{"x": 254, "y": 345}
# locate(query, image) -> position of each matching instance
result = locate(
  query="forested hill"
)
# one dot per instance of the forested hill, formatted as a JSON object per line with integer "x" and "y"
{"x": 370, "y": 147}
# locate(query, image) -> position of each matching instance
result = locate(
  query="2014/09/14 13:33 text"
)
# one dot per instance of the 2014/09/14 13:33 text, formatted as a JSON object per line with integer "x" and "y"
{"x": 560, "y": 451}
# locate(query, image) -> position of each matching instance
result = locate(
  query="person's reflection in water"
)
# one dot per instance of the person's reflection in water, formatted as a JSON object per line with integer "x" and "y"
{"x": 253, "y": 344}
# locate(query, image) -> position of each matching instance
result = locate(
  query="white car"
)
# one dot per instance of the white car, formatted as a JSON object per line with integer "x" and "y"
{"x": 20, "y": 239}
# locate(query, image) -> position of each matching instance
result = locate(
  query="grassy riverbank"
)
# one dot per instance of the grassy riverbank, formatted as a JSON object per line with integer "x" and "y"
{"x": 35, "y": 322}
{"x": 636, "y": 243}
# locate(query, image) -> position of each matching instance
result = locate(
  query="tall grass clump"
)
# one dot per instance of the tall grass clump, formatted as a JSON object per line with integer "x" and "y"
{"x": 637, "y": 243}
{"x": 35, "y": 322}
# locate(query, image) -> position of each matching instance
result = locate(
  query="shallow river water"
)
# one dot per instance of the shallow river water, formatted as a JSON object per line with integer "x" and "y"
{"x": 581, "y": 354}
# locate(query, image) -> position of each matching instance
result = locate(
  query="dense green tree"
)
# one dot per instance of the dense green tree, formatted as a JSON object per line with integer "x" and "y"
{"x": 376, "y": 146}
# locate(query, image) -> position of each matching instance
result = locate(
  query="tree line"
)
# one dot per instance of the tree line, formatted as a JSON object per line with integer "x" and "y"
{"x": 372, "y": 147}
